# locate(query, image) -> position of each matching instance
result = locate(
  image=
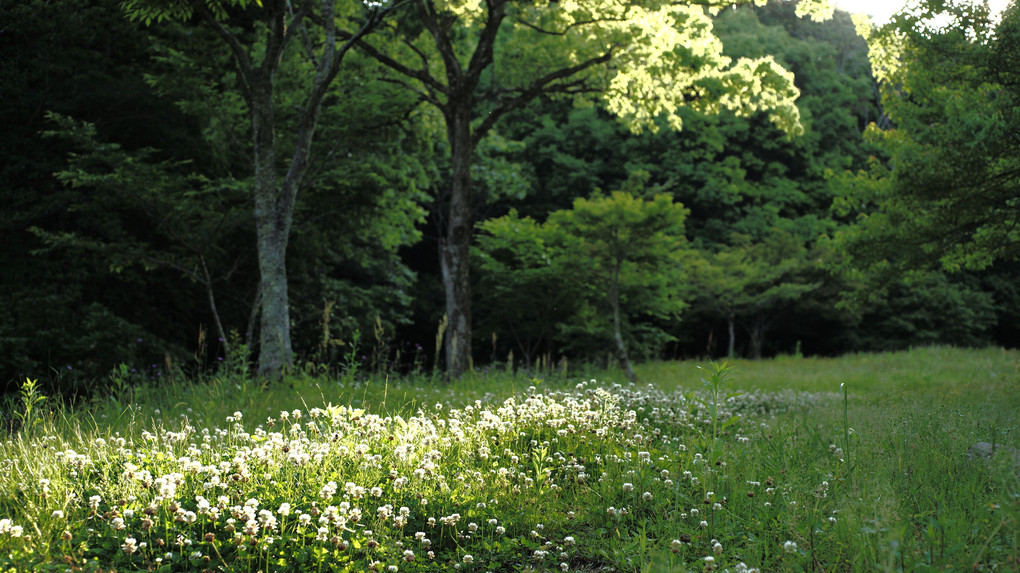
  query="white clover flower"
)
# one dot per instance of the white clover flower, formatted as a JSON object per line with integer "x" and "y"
{"x": 564, "y": 566}
{"x": 57, "y": 514}
{"x": 568, "y": 541}
{"x": 703, "y": 524}
{"x": 469, "y": 559}
{"x": 647, "y": 496}
{"x": 789, "y": 547}
{"x": 130, "y": 545}
{"x": 628, "y": 486}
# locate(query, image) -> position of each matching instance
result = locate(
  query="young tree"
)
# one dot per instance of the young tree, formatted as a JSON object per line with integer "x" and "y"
{"x": 526, "y": 288}
{"x": 623, "y": 245}
{"x": 617, "y": 257}
{"x": 476, "y": 61}
{"x": 269, "y": 28}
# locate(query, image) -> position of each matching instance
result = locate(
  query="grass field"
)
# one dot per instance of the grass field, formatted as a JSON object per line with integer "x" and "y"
{"x": 793, "y": 464}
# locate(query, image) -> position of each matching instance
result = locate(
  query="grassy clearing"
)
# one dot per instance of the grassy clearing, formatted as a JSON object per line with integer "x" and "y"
{"x": 775, "y": 467}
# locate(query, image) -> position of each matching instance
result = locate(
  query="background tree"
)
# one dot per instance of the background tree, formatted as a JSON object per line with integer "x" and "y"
{"x": 65, "y": 316}
{"x": 524, "y": 284}
{"x": 597, "y": 267}
{"x": 477, "y": 62}
{"x": 950, "y": 191}
{"x": 935, "y": 214}
{"x": 269, "y": 29}
{"x": 631, "y": 250}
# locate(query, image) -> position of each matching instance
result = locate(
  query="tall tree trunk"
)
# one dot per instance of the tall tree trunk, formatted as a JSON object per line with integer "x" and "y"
{"x": 455, "y": 248}
{"x": 621, "y": 347}
{"x": 757, "y": 337}
{"x": 731, "y": 328}
{"x": 271, "y": 236}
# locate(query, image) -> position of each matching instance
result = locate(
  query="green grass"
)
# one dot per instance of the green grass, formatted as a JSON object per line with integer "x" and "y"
{"x": 777, "y": 468}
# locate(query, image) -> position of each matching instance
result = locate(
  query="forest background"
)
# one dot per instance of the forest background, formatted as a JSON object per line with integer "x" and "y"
{"x": 884, "y": 219}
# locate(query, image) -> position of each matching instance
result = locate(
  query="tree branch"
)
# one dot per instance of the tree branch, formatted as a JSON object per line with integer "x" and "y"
{"x": 422, "y": 75}
{"x": 529, "y": 93}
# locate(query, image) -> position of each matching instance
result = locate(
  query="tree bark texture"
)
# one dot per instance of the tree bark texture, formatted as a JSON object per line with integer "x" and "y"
{"x": 455, "y": 249}
{"x": 271, "y": 229}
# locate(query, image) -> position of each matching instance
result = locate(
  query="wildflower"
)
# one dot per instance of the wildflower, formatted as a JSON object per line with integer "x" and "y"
{"x": 628, "y": 487}
{"x": 469, "y": 559}
{"x": 57, "y": 514}
{"x": 130, "y": 545}
{"x": 284, "y": 509}
{"x": 703, "y": 524}
{"x": 717, "y": 548}
{"x": 568, "y": 541}
{"x": 500, "y": 530}
{"x": 564, "y": 567}
{"x": 790, "y": 547}
{"x": 647, "y": 496}
{"x": 675, "y": 545}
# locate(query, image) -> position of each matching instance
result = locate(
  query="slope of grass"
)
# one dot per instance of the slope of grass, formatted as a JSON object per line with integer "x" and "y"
{"x": 849, "y": 464}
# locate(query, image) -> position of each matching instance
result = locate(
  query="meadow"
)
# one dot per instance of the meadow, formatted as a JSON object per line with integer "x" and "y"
{"x": 855, "y": 463}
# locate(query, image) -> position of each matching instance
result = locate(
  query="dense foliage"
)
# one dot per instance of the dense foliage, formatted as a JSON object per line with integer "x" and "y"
{"x": 127, "y": 180}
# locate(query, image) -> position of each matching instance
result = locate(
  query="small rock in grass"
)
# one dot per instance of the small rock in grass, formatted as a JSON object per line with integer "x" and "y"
{"x": 986, "y": 450}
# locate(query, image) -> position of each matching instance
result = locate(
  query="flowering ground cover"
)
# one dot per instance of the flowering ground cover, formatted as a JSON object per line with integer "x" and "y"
{"x": 858, "y": 467}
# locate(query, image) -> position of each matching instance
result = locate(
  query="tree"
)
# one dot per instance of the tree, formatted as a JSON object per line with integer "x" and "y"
{"x": 597, "y": 268}
{"x": 269, "y": 29}
{"x": 754, "y": 282}
{"x": 949, "y": 194}
{"x": 630, "y": 252}
{"x": 476, "y": 61}
{"x": 526, "y": 288}
{"x": 63, "y": 315}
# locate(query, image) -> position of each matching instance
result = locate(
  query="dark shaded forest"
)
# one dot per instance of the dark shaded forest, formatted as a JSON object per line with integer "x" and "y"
{"x": 882, "y": 216}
